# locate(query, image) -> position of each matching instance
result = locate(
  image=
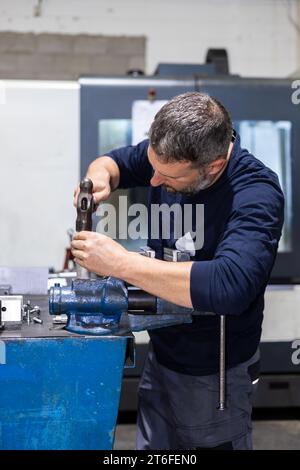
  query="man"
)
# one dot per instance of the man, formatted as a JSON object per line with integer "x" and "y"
{"x": 192, "y": 157}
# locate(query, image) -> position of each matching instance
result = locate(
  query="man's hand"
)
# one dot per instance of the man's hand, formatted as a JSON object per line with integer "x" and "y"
{"x": 99, "y": 253}
{"x": 101, "y": 187}
{"x": 102, "y": 255}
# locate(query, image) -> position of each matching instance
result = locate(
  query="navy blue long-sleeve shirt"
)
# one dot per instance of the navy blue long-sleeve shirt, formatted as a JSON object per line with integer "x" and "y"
{"x": 243, "y": 217}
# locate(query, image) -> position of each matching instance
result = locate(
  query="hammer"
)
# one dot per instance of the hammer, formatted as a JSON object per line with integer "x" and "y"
{"x": 85, "y": 208}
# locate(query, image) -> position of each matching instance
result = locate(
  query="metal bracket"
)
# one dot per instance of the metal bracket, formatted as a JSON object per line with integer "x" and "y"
{"x": 147, "y": 251}
{"x": 174, "y": 255}
{"x": 11, "y": 311}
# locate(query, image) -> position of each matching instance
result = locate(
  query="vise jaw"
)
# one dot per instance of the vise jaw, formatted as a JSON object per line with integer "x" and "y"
{"x": 93, "y": 306}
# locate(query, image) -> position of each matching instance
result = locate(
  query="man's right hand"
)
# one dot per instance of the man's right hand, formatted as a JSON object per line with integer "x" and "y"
{"x": 101, "y": 187}
{"x": 105, "y": 175}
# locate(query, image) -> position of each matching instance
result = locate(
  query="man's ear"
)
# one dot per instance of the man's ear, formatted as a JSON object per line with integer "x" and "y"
{"x": 216, "y": 166}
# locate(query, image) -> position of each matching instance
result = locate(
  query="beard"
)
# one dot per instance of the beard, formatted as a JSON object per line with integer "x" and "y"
{"x": 203, "y": 182}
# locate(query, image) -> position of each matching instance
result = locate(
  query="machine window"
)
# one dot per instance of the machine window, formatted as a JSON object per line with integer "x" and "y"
{"x": 270, "y": 141}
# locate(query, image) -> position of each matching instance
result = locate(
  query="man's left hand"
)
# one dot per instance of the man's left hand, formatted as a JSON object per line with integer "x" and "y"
{"x": 99, "y": 253}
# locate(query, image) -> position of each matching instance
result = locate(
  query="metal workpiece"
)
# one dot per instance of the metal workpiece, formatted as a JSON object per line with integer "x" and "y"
{"x": 82, "y": 273}
{"x": 37, "y": 320}
{"x": 139, "y": 300}
{"x": 29, "y": 312}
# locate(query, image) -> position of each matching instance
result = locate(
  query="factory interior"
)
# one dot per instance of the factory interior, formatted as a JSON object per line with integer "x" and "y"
{"x": 116, "y": 335}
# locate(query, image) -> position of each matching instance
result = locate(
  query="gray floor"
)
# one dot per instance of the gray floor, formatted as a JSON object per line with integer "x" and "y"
{"x": 267, "y": 435}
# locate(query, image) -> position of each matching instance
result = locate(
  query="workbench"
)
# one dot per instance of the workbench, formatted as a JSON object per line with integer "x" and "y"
{"x": 60, "y": 390}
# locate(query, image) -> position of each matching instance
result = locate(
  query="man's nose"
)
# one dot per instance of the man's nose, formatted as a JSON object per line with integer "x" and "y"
{"x": 156, "y": 179}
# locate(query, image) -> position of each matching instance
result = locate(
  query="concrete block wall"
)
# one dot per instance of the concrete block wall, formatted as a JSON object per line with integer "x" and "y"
{"x": 64, "y": 56}
{"x": 262, "y": 36}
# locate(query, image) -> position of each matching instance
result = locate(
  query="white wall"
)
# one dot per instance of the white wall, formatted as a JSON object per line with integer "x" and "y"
{"x": 258, "y": 34}
{"x": 39, "y": 161}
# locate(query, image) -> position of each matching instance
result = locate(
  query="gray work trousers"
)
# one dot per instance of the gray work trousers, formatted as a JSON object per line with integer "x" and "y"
{"x": 179, "y": 412}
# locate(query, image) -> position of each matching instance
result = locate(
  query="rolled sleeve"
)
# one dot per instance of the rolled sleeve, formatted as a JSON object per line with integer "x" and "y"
{"x": 133, "y": 163}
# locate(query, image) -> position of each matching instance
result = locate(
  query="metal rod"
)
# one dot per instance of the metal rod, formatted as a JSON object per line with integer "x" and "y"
{"x": 222, "y": 378}
{"x": 82, "y": 273}
{"x": 142, "y": 301}
{"x": 28, "y": 311}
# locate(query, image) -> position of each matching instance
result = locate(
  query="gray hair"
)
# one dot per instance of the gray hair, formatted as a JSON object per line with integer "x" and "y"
{"x": 191, "y": 127}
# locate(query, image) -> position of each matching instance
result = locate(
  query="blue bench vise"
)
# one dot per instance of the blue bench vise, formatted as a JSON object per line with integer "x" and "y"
{"x": 99, "y": 307}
